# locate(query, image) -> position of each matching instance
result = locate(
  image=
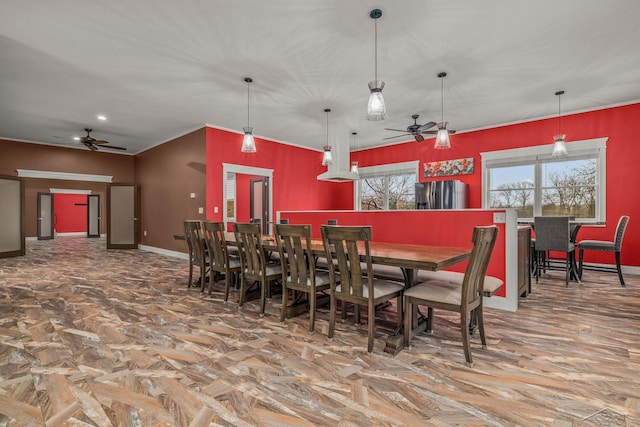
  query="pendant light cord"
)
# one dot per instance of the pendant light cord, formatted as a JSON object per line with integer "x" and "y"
{"x": 559, "y": 115}
{"x": 248, "y": 122}
{"x": 327, "y": 111}
{"x": 442, "y": 101}
{"x": 375, "y": 26}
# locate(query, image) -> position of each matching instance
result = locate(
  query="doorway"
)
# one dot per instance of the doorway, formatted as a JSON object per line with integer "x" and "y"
{"x": 259, "y": 202}
{"x": 230, "y": 201}
{"x": 11, "y": 211}
{"x": 46, "y": 221}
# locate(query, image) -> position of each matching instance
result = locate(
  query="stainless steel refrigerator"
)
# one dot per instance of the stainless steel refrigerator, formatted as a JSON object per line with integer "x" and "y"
{"x": 450, "y": 194}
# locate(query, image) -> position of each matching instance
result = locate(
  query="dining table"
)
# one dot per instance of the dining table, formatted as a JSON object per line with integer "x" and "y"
{"x": 408, "y": 258}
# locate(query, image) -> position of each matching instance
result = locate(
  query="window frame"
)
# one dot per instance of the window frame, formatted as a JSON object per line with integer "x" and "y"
{"x": 389, "y": 169}
{"x": 540, "y": 154}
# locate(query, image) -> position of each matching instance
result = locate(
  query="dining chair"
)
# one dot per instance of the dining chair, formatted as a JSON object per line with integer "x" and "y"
{"x": 606, "y": 246}
{"x": 453, "y": 297}
{"x": 220, "y": 263}
{"x": 298, "y": 268}
{"x": 254, "y": 265}
{"x": 197, "y": 252}
{"x": 553, "y": 233}
{"x": 347, "y": 246}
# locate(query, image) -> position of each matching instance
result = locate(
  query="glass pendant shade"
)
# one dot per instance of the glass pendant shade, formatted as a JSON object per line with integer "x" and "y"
{"x": 559, "y": 147}
{"x": 354, "y": 167}
{"x": 248, "y": 143}
{"x": 442, "y": 140}
{"x": 327, "y": 158}
{"x": 376, "y": 110}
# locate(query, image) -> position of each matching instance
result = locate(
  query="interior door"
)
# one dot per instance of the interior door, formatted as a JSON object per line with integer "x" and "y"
{"x": 259, "y": 202}
{"x": 93, "y": 215}
{"x": 45, "y": 216}
{"x": 11, "y": 214}
{"x": 122, "y": 216}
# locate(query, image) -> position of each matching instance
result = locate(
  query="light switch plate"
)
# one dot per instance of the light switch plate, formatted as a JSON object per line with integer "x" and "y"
{"x": 499, "y": 217}
{"x": 200, "y": 210}
{"x": 215, "y": 209}
{"x": 192, "y": 195}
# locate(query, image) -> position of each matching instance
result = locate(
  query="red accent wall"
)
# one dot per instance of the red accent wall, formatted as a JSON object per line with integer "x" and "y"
{"x": 69, "y": 217}
{"x": 434, "y": 227}
{"x": 623, "y": 151}
{"x": 294, "y": 185}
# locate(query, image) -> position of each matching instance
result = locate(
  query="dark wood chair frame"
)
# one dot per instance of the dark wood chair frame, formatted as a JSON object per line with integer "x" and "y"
{"x": 298, "y": 268}
{"x": 254, "y": 264}
{"x": 553, "y": 234}
{"x": 220, "y": 263}
{"x": 471, "y": 292}
{"x": 197, "y": 251}
{"x": 350, "y": 283}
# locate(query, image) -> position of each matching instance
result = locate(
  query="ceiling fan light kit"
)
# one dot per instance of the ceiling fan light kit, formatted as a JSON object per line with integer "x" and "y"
{"x": 376, "y": 109}
{"x": 248, "y": 142}
{"x": 559, "y": 146}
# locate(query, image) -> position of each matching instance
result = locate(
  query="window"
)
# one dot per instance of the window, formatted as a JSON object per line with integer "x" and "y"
{"x": 387, "y": 187}
{"x": 536, "y": 184}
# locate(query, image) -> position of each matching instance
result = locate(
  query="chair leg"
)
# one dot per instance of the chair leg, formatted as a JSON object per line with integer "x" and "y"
{"x": 243, "y": 289}
{"x": 465, "y": 337}
{"x": 619, "y": 267}
{"x": 332, "y": 314}
{"x": 429, "y": 320}
{"x": 408, "y": 308}
{"x": 568, "y": 270}
{"x": 580, "y": 259}
{"x": 285, "y": 294}
{"x": 372, "y": 326}
{"x": 190, "y": 274}
{"x": 264, "y": 284}
{"x": 480, "y": 318}
{"x": 574, "y": 268}
{"x": 227, "y": 284}
{"x": 311, "y": 301}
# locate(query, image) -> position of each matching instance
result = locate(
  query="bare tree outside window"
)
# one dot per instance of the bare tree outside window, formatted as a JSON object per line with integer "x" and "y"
{"x": 392, "y": 192}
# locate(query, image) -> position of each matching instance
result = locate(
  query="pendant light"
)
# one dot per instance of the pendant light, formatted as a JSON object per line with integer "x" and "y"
{"x": 442, "y": 138}
{"x": 327, "y": 158}
{"x": 559, "y": 147}
{"x": 354, "y": 164}
{"x": 248, "y": 143}
{"x": 376, "y": 110}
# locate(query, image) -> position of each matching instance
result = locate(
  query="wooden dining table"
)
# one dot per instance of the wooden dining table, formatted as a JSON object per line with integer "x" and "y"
{"x": 409, "y": 258}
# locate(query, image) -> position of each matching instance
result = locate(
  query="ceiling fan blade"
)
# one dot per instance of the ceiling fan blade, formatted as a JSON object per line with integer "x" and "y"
{"x": 396, "y": 130}
{"x": 419, "y": 138}
{"x": 100, "y": 142}
{"x": 113, "y": 147}
{"x": 426, "y": 126}
{"x": 451, "y": 131}
{"x": 430, "y": 132}
{"x": 397, "y": 136}
{"x": 90, "y": 146}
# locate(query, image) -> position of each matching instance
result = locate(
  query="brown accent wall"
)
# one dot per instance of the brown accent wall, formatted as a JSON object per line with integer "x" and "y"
{"x": 19, "y": 155}
{"x": 167, "y": 175}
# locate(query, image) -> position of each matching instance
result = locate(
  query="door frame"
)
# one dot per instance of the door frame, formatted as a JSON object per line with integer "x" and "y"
{"x": 245, "y": 170}
{"x": 136, "y": 217}
{"x": 264, "y": 190}
{"x": 95, "y": 196}
{"x": 21, "y": 250}
{"x": 52, "y": 221}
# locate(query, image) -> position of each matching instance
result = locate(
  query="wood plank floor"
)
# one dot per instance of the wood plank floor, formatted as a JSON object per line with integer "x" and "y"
{"x": 115, "y": 338}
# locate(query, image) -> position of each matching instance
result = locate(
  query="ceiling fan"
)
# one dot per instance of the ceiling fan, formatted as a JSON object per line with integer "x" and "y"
{"x": 92, "y": 144}
{"x": 415, "y": 129}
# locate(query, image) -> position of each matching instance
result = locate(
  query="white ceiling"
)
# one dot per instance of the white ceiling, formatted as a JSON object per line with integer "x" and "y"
{"x": 159, "y": 69}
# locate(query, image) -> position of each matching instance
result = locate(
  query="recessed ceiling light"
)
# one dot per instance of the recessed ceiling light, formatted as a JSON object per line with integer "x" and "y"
{"x": 76, "y": 138}
{"x": 102, "y": 117}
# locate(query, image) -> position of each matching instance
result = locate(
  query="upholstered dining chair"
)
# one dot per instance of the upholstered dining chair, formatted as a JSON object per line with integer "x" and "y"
{"x": 298, "y": 268}
{"x": 197, "y": 252}
{"x": 453, "y": 297}
{"x": 606, "y": 246}
{"x": 346, "y": 246}
{"x": 254, "y": 262}
{"x": 553, "y": 233}
{"x": 219, "y": 260}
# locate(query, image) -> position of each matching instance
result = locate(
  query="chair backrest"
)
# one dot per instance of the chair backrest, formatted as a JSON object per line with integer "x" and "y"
{"x": 484, "y": 239}
{"x": 552, "y": 233}
{"x": 620, "y": 229}
{"x": 216, "y": 245}
{"x": 193, "y": 233}
{"x": 252, "y": 254}
{"x": 346, "y": 245}
{"x": 294, "y": 246}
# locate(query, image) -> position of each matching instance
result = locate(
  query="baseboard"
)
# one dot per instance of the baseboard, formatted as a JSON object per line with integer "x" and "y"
{"x": 75, "y": 233}
{"x": 162, "y": 251}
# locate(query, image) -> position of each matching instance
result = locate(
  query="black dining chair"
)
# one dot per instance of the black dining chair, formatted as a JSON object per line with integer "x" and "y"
{"x": 553, "y": 233}
{"x": 614, "y": 246}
